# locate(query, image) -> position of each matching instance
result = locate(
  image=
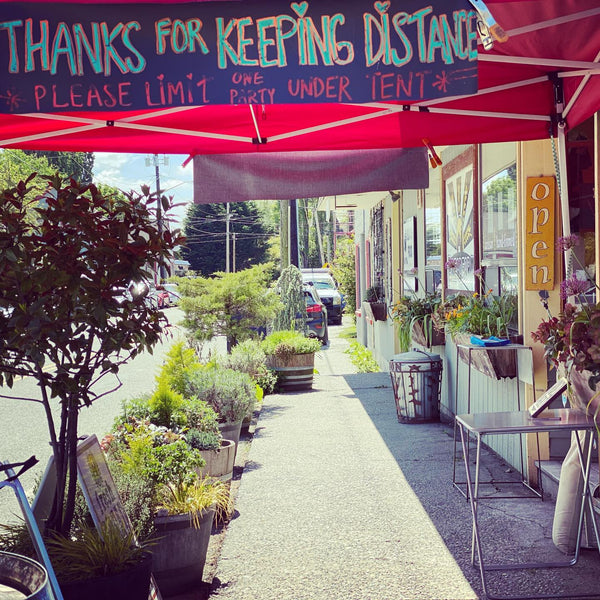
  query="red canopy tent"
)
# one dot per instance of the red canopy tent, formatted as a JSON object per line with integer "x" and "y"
{"x": 551, "y": 42}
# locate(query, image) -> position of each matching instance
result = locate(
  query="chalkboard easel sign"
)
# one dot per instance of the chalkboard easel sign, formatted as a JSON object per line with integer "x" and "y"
{"x": 544, "y": 401}
{"x": 101, "y": 493}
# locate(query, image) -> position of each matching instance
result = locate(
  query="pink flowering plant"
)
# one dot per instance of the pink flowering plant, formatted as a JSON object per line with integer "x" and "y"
{"x": 572, "y": 338}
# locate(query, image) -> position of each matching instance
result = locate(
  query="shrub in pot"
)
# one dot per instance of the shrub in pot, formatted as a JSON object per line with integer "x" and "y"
{"x": 249, "y": 357}
{"x": 291, "y": 355}
{"x": 230, "y": 393}
{"x": 186, "y": 503}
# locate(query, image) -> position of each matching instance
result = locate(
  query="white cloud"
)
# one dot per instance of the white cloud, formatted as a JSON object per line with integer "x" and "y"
{"x": 127, "y": 171}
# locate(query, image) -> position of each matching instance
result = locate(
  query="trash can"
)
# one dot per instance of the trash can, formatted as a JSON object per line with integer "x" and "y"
{"x": 416, "y": 378}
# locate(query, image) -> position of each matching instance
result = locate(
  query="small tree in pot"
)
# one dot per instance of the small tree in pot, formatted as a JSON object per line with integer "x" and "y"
{"x": 63, "y": 259}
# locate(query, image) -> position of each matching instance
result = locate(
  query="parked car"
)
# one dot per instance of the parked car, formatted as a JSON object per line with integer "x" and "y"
{"x": 173, "y": 291}
{"x": 316, "y": 314}
{"x": 328, "y": 291}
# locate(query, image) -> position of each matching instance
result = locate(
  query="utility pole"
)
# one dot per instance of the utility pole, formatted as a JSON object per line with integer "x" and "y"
{"x": 294, "y": 233}
{"x": 227, "y": 219}
{"x": 284, "y": 236}
{"x": 233, "y": 251}
{"x": 159, "y": 220}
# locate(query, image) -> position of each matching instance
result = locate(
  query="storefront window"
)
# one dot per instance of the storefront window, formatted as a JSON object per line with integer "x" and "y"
{"x": 459, "y": 186}
{"x": 499, "y": 217}
{"x": 580, "y": 167}
{"x": 433, "y": 232}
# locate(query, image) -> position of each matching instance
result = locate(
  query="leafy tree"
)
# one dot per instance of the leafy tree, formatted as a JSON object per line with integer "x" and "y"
{"x": 231, "y": 304}
{"x": 500, "y": 194}
{"x": 205, "y": 230}
{"x": 77, "y": 165}
{"x": 315, "y": 234}
{"x": 62, "y": 258}
{"x": 344, "y": 271}
{"x": 290, "y": 288}
{"x": 16, "y": 166}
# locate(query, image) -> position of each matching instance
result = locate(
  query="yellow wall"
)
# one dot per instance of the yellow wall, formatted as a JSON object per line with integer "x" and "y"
{"x": 534, "y": 160}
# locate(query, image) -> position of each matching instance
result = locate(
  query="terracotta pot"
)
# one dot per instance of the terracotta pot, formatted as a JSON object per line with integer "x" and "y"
{"x": 496, "y": 363}
{"x": 581, "y": 397}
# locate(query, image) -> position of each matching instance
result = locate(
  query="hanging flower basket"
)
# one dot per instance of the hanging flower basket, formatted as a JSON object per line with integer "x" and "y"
{"x": 496, "y": 363}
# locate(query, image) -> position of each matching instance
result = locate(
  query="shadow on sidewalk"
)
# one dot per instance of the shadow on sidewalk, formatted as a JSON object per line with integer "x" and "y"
{"x": 511, "y": 529}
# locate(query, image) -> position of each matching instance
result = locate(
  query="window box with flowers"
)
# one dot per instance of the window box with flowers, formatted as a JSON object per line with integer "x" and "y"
{"x": 483, "y": 317}
{"x": 415, "y": 318}
{"x": 572, "y": 338}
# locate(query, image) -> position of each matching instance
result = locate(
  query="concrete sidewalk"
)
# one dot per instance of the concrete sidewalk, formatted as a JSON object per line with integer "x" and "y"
{"x": 340, "y": 501}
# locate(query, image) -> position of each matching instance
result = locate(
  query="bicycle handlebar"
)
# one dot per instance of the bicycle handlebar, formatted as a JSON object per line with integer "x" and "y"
{"x": 25, "y": 466}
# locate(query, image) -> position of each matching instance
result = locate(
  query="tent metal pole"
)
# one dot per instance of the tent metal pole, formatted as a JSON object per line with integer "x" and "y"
{"x": 579, "y": 89}
{"x": 564, "y": 193}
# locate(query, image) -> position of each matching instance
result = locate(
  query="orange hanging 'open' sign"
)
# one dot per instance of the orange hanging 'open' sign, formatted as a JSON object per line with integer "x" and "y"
{"x": 540, "y": 238}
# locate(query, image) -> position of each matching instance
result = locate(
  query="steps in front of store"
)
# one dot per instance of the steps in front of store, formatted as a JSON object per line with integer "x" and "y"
{"x": 551, "y": 475}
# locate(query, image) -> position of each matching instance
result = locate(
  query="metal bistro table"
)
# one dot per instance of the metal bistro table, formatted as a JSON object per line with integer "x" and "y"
{"x": 479, "y": 425}
{"x": 524, "y": 372}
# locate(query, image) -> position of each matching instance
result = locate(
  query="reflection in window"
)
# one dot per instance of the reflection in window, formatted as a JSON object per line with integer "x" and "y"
{"x": 499, "y": 216}
{"x": 433, "y": 233}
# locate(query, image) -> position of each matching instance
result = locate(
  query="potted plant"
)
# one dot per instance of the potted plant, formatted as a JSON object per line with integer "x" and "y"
{"x": 92, "y": 563}
{"x": 235, "y": 305}
{"x": 415, "y": 319}
{"x": 190, "y": 419}
{"x": 186, "y": 503}
{"x": 572, "y": 338}
{"x": 481, "y": 316}
{"x": 230, "y": 393}
{"x": 292, "y": 356}
{"x": 96, "y": 564}
{"x": 376, "y": 303}
{"x": 248, "y": 357}
{"x": 64, "y": 257}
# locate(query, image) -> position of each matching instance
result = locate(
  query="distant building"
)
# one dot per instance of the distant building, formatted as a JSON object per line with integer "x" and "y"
{"x": 180, "y": 268}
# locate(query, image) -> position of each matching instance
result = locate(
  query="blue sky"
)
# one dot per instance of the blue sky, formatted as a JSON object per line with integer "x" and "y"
{"x": 128, "y": 171}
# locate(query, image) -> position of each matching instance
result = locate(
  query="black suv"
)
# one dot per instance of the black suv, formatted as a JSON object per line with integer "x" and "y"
{"x": 316, "y": 314}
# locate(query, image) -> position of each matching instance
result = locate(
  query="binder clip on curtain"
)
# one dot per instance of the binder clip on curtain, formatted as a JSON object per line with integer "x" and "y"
{"x": 487, "y": 27}
{"x": 434, "y": 159}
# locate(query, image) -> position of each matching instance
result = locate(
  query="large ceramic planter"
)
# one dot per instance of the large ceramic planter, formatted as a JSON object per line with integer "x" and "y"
{"x": 180, "y": 553}
{"x": 427, "y": 338}
{"x": 496, "y": 363}
{"x": 294, "y": 371}
{"x": 581, "y": 396}
{"x": 219, "y": 463}
{"x": 131, "y": 584}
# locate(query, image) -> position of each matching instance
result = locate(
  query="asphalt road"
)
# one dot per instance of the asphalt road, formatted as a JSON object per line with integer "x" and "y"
{"x": 23, "y": 424}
